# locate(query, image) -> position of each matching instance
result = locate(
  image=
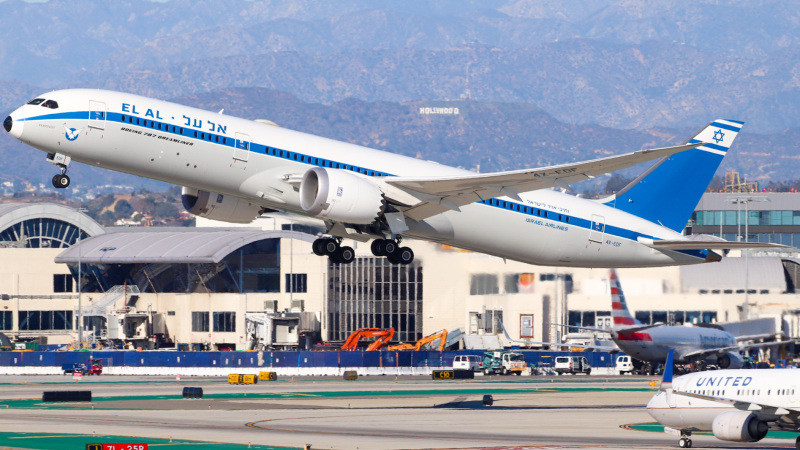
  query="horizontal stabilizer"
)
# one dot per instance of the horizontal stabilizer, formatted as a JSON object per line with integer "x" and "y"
{"x": 704, "y": 244}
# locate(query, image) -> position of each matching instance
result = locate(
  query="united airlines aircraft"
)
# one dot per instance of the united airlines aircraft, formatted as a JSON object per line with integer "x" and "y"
{"x": 235, "y": 169}
{"x": 735, "y": 405}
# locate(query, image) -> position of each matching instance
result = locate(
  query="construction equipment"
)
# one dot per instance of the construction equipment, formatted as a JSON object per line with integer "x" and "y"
{"x": 383, "y": 336}
{"x": 440, "y": 335}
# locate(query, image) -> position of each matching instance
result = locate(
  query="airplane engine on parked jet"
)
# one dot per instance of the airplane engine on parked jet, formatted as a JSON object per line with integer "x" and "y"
{"x": 341, "y": 196}
{"x": 219, "y": 207}
{"x": 739, "y": 426}
{"x": 730, "y": 360}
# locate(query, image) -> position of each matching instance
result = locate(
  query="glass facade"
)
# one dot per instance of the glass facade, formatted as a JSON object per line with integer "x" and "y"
{"x": 254, "y": 267}
{"x": 373, "y": 293}
{"x": 41, "y": 233}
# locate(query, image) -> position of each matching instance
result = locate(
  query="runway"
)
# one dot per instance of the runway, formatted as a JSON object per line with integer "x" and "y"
{"x": 368, "y": 413}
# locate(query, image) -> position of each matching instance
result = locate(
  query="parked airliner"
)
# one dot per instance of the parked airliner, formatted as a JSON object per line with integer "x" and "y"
{"x": 736, "y": 405}
{"x": 235, "y": 169}
{"x": 652, "y": 343}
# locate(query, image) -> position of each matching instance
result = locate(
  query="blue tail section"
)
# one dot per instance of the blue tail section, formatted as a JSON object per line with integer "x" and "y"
{"x": 666, "y": 381}
{"x": 668, "y": 192}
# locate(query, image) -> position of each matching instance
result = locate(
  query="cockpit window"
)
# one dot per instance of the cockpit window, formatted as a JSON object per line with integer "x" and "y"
{"x": 52, "y": 104}
{"x": 36, "y": 101}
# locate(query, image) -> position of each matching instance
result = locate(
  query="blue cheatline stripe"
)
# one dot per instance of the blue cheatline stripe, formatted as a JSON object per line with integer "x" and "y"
{"x": 226, "y": 141}
{"x": 709, "y": 145}
{"x": 725, "y": 126}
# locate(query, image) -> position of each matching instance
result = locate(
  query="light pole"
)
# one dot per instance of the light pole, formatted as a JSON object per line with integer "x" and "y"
{"x": 80, "y": 211}
{"x": 746, "y": 200}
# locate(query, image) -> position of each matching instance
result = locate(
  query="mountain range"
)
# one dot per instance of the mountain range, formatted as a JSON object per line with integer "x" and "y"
{"x": 543, "y": 81}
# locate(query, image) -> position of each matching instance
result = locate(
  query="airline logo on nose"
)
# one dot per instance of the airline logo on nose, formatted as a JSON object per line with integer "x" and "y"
{"x": 72, "y": 133}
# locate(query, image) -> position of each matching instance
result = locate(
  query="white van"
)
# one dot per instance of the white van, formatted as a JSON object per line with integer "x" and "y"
{"x": 572, "y": 364}
{"x": 468, "y": 362}
{"x": 624, "y": 364}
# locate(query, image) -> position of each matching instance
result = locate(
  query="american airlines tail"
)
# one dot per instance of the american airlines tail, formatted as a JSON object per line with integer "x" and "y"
{"x": 619, "y": 309}
{"x": 669, "y": 191}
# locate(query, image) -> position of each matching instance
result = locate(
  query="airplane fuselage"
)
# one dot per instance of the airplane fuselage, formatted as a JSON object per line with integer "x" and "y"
{"x": 258, "y": 163}
{"x": 776, "y": 387}
{"x": 653, "y": 344}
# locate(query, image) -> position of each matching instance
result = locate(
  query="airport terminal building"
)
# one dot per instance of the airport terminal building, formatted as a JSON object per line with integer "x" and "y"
{"x": 261, "y": 286}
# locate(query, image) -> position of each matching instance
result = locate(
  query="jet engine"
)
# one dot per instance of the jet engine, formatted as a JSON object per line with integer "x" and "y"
{"x": 739, "y": 426}
{"x": 730, "y": 360}
{"x": 341, "y": 196}
{"x": 219, "y": 207}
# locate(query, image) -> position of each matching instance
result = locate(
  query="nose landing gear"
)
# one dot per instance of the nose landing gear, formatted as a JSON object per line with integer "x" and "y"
{"x": 61, "y": 180}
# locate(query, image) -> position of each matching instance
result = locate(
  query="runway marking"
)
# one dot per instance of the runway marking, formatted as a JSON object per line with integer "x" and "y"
{"x": 44, "y": 441}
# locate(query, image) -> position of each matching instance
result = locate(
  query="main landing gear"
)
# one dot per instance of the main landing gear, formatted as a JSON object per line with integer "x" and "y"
{"x": 392, "y": 251}
{"x": 685, "y": 441}
{"x": 332, "y": 248}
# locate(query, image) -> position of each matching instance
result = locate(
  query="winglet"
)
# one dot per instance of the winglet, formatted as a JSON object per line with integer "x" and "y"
{"x": 666, "y": 381}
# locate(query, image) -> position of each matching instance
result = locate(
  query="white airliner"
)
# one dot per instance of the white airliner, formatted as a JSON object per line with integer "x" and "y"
{"x": 652, "y": 343}
{"x": 235, "y": 169}
{"x": 736, "y": 405}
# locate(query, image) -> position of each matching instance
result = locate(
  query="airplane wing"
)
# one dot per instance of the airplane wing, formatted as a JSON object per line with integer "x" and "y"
{"x": 425, "y": 197}
{"x": 608, "y": 348}
{"x": 630, "y": 329}
{"x": 731, "y": 348}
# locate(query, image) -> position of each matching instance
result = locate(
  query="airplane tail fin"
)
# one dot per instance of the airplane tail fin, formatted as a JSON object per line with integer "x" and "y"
{"x": 619, "y": 308}
{"x": 668, "y": 192}
{"x": 666, "y": 380}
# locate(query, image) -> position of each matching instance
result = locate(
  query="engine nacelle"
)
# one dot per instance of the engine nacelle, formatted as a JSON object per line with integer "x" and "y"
{"x": 219, "y": 207}
{"x": 341, "y": 196}
{"x": 739, "y": 426}
{"x": 730, "y": 360}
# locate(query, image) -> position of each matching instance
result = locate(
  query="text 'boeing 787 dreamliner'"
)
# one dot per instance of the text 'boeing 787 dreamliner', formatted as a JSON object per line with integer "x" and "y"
{"x": 235, "y": 169}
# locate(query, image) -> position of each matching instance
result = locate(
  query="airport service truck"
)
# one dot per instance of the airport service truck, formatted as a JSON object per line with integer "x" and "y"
{"x": 503, "y": 362}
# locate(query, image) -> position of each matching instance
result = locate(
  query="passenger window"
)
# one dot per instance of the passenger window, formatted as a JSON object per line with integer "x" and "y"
{"x": 36, "y": 101}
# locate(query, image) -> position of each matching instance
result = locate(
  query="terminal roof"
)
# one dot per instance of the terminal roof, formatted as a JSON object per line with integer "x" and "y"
{"x": 168, "y": 247}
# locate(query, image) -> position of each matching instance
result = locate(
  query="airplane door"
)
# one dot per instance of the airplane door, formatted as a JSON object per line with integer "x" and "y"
{"x": 242, "y": 149}
{"x": 97, "y": 115}
{"x": 598, "y": 229}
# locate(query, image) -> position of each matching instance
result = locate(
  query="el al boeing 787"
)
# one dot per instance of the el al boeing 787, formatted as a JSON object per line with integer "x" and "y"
{"x": 235, "y": 169}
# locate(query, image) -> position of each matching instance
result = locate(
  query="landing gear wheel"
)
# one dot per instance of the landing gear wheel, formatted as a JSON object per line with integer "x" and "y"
{"x": 390, "y": 247}
{"x": 330, "y": 246}
{"x": 60, "y": 181}
{"x": 318, "y": 246}
{"x": 404, "y": 255}
{"x": 378, "y": 247}
{"x": 345, "y": 255}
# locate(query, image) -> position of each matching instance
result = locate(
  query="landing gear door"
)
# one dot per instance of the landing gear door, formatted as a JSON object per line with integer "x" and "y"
{"x": 598, "y": 229}
{"x": 97, "y": 115}
{"x": 242, "y": 149}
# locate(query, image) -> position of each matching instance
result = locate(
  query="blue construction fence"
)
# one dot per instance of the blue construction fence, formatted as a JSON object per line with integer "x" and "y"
{"x": 131, "y": 358}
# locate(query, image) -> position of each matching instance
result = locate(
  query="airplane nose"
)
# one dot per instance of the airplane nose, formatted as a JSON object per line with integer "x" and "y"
{"x": 8, "y": 123}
